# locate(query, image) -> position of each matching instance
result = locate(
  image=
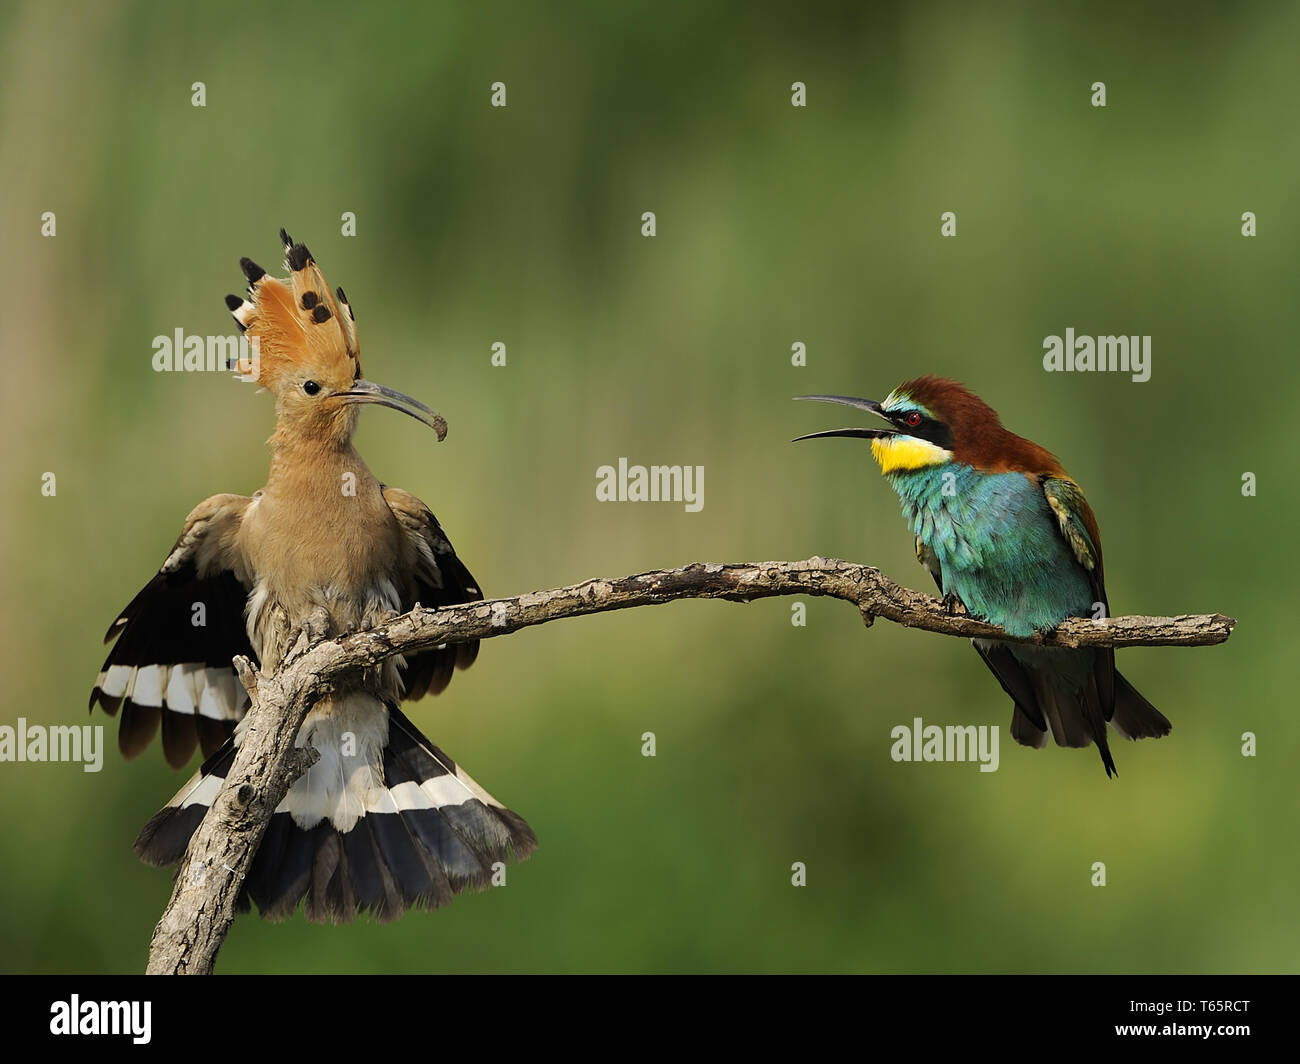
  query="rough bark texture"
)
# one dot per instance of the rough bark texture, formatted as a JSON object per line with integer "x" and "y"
{"x": 202, "y": 905}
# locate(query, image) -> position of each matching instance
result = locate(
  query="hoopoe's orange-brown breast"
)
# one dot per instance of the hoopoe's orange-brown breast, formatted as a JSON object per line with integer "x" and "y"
{"x": 319, "y": 535}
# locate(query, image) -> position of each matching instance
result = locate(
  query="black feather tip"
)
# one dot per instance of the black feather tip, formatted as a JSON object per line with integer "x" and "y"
{"x": 344, "y": 300}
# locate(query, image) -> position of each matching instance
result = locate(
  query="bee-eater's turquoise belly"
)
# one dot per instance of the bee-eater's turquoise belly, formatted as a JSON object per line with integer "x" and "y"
{"x": 997, "y": 543}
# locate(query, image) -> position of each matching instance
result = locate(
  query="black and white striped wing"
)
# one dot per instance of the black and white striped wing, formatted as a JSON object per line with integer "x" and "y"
{"x": 435, "y": 577}
{"x": 170, "y": 663}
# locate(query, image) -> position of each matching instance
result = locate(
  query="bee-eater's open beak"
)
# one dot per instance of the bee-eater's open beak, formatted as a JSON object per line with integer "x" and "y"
{"x": 370, "y": 392}
{"x": 848, "y": 400}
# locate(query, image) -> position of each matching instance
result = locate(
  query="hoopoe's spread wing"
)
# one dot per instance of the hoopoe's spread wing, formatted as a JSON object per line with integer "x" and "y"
{"x": 434, "y": 577}
{"x": 170, "y": 663}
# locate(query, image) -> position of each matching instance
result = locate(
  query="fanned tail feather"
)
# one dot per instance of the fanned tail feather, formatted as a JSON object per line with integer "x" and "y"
{"x": 412, "y": 835}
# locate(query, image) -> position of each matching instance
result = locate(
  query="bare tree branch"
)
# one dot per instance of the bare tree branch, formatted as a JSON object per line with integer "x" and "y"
{"x": 220, "y": 854}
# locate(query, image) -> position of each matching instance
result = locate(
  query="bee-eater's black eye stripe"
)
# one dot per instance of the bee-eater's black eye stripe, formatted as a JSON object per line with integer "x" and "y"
{"x": 935, "y": 432}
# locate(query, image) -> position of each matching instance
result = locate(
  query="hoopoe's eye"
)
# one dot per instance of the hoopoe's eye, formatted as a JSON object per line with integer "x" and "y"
{"x": 913, "y": 419}
{"x": 310, "y": 387}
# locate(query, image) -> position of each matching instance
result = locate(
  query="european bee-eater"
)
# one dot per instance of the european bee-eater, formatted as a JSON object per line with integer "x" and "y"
{"x": 1006, "y": 532}
{"x": 384, "y": 821}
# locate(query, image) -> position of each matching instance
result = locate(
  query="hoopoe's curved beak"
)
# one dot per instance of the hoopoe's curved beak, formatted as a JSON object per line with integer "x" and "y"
{"x": 848, "y": 400}
{"x": 370, "y": 392}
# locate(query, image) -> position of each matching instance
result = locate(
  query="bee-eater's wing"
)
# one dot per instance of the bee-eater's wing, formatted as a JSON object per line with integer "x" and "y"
{"x": 174, "y": 642}
{"x": 1131, "y": 714}
{"x": 930, "y": 560}
{"x": 432, "y": 576}
{"x": 1078, "y": 525}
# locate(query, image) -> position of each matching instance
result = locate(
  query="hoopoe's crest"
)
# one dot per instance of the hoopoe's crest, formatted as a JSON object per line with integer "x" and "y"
{"x": 299, "y": 325}
{"x": 307, "y": 350}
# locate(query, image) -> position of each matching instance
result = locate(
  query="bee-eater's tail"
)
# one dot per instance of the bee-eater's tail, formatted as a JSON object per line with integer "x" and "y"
{"x": 1073, "y": 709}
{"x": 1071, "y": 693}
{"x": 1135, "y": 717}
{"x": 383, "y": 822}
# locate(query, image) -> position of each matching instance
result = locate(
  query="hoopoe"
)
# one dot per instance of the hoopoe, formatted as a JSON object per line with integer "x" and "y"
{"x": 384, "y": 821}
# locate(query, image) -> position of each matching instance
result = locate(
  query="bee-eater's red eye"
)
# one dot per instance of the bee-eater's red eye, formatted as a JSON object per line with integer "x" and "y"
{"x": 913, "y": 419}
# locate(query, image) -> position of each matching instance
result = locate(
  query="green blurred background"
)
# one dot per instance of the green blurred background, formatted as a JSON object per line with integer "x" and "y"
{"x": 775, "y": 225}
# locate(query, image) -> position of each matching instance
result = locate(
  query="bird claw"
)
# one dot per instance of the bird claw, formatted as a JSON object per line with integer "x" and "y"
{"x": 315, "y": 628}
{"x": 951, "y": 604}
{"x": 371, "y": 621}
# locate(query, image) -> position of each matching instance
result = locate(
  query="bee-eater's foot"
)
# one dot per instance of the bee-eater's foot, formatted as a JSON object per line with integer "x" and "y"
{"x": 952, "y": 604}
